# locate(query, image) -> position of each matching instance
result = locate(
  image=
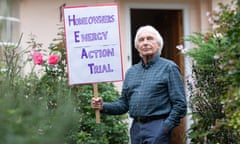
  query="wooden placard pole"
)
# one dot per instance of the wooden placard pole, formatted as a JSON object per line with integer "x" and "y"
{"x": 95, "y": 92}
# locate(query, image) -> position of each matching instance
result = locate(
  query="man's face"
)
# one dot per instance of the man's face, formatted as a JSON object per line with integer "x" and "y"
{"x": 147, "y": 44}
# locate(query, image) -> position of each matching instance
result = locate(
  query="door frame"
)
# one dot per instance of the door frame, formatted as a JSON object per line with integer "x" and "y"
{"x": 186, "y": 32}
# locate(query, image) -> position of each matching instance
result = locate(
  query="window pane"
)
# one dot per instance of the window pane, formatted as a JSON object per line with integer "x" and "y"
{"x": 9, "y": 22}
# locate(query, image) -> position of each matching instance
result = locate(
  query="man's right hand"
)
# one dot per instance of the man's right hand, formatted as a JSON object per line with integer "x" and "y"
{"x": 97, "y": 103}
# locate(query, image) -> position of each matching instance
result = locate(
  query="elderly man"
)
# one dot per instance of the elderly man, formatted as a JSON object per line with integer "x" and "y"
{"x": 152, "y": 93}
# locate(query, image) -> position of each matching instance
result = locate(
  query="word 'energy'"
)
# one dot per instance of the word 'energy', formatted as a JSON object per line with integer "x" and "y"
{"x": 90, "y": 36}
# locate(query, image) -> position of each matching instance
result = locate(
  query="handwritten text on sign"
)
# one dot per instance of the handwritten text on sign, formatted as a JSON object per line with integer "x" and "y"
{"x": 93, "y": 44}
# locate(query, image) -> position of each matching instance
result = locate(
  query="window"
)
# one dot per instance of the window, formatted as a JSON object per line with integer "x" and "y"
{"x": 9, "y": 22}
{"x": 9, "y": 29}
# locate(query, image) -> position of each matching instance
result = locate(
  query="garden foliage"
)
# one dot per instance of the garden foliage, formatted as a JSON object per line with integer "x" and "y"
{"x": 41, "y": 108}
{"x": 215, "y": 83}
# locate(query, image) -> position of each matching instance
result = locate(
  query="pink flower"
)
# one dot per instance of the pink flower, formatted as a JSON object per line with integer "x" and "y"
{"x": 37, "y": 58}
{"x": 53, "y": 59}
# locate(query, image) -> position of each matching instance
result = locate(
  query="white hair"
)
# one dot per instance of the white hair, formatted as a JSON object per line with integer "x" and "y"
{"x": 150, "y": 29}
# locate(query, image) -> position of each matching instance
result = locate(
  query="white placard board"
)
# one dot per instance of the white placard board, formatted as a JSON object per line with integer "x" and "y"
{"x": 93, "y": 46}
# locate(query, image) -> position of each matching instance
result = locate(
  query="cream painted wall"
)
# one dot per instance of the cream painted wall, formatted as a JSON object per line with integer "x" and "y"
{"x": 215, "y": 2}
{"x": 41, "y": 18}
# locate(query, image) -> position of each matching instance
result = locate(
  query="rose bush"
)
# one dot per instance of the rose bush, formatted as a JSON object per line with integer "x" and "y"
{"x": 44, "y": 109}
{"x": 37, "y": 57}
{"x": 54, "y": 83}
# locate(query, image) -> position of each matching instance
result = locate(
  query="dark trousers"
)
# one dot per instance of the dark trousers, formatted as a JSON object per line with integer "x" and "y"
{"x": 151, "y": 132}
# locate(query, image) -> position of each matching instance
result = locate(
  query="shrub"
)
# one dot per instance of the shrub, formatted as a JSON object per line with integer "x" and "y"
{"x": 44, "y": 109}
{"x": 214, "y": 89}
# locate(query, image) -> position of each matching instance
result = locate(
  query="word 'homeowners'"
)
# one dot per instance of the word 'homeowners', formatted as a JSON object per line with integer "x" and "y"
{"x": 90, "y": 20}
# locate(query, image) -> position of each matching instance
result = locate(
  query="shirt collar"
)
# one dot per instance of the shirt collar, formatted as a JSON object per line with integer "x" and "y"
{"x": 150, "y": 63}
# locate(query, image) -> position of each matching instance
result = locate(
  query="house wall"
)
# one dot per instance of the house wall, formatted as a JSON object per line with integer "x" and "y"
{"x": 41, "y": 18}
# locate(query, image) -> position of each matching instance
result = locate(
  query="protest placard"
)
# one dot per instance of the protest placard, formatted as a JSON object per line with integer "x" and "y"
{"x": 93, "y": 44}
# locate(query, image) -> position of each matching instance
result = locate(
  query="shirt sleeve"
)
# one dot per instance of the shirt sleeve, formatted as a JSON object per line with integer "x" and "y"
{"x": 177, "y": 98}
{"x": 120, "y": 106}
{"x": 115, "y": 108}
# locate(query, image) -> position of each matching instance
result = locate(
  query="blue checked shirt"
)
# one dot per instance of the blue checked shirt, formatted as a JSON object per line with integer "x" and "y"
{"x": 152, "y": 89}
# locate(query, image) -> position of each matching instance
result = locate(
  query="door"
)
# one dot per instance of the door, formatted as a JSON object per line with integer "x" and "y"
{"x": 169, "y": 24}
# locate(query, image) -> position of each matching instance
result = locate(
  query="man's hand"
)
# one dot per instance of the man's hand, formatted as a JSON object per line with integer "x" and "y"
{"x": 97, "y": 103}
